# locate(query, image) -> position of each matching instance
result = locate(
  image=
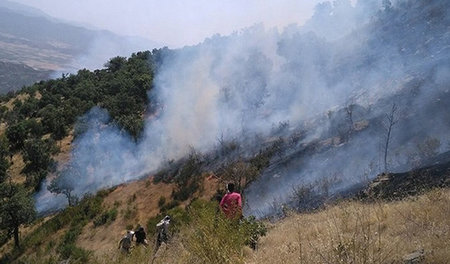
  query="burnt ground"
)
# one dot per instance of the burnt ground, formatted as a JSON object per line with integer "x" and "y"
{"x": 394, "y": 186}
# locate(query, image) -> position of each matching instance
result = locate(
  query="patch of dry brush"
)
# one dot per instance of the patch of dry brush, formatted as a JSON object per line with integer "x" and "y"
{"x": 357, "y": 232}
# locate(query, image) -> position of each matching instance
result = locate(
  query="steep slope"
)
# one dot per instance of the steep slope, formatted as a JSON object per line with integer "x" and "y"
{"x": 356, "y": 232}
{"x": 297, "y": 122}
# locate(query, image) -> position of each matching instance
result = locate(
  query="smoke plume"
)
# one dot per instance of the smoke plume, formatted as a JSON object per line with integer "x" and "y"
{"x": 370, "y": 54}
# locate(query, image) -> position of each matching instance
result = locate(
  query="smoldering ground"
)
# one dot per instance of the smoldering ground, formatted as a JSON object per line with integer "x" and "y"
{"x": 243, "y": 84}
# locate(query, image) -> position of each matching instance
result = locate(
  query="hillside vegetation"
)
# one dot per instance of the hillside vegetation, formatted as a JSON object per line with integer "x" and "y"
{"x": 37, "y": 126}
{"x": 311, "y": 181}
{"x": 41, "y": 115}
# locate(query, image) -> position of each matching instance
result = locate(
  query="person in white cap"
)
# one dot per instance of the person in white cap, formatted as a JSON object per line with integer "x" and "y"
{"x": 163, "y": 231}
{"x": 125, "y": 242}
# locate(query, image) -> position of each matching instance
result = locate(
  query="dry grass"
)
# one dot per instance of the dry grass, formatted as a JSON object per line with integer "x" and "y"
{"x": 65, "y": 147}
{"x": 208, "y": 238}
{"x": 141, "y": 199}
{"x": 346, "y": 232}
{"x": 15, "y": 170}
{"x": 355, "y": 232}
{"x": 20, "y": 97}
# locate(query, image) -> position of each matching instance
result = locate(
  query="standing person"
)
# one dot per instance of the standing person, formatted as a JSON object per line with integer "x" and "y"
{"x": 162, "y": 229}
{"x": 141, "y": 236}
{"x": 231, "y": 203}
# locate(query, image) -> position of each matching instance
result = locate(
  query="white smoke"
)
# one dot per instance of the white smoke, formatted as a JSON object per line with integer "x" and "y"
{"x": 242, "y": 84}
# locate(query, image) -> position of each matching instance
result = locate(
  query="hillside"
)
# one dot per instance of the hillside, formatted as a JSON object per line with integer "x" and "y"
{"x": 16, "y": 75}
{"x": 344, "y": 133}
{"x": 353, "y": 230}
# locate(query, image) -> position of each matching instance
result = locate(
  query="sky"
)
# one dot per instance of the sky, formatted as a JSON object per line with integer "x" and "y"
{"x": 176, "y": 23}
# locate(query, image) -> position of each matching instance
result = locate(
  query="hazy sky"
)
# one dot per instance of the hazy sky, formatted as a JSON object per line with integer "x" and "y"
{"x": 177, "y": 22}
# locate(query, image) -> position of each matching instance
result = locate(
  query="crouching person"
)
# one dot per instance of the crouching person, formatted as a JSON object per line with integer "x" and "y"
{"x": 141, "y": 236}
{"x": 125, "y": 242}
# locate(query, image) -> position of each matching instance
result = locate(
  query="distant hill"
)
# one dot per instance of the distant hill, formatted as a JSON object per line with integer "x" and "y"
{"x": 41, "y": 44}
{"x": 15, "y": 75}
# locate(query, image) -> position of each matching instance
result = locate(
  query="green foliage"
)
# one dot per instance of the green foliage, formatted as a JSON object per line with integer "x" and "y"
{"x": 208, "y": 236}
{"x": 212, "y": 238}
{"x": 52, "y": 107}
{"x": 166, "y": 207}
{"x": 187, "y": 179}
{"x": 75, "y": 218}
{"x": 16, "y": 208}
{"x": 130, "y": 212}
{"x": 67, "y": 249}
{"x": 161, "y": 201}
{"x": 29, "y": 107}
{"x": 254, "y": 229}
{"x": 106, "y": 217}
{"x": 54, "y": 121}
{"x": 116, "y": 63}
{"x": 34, "y": 127}
{"x": 4, "y": 163}
{"x": 36, "y": 154}
{"x": 16, "y": 134}
{"x": 179, "y": 218}
{"x": 34, "y": 179}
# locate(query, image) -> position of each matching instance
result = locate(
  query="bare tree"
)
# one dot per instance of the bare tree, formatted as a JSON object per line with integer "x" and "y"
{"x": 241, "y": 173}
{"x": 349, "y": 110}
{"x": 64, "y": 184}
{"x": 391, "y": 119}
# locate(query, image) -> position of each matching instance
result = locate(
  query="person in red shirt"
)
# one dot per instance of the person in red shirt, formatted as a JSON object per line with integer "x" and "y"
{"x": 231, "y": 203}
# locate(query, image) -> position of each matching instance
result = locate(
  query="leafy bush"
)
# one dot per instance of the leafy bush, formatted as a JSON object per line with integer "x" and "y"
{"x": 179, "y": 217}
{"x": 74, "y": 217}
{"x": 161, "y": 201}
{"x": 212, "y": 238}
{"x": 106, "y": 217}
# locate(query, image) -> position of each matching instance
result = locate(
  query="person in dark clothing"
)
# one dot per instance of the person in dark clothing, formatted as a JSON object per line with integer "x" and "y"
{"x": 141, "y": 236}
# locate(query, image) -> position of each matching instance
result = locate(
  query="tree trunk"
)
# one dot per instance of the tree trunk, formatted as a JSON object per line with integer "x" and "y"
{"x": 386, "y": 148}
{"x": 16, "y": 236}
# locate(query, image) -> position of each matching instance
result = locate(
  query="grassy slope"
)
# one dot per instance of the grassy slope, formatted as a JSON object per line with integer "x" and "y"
{"x": 346, "y": 232}
{"x": 136, "y": 203}
{"x": 343, "y": 232}
{"x": 356, "y": 232}
{"x": 141, "y": 199}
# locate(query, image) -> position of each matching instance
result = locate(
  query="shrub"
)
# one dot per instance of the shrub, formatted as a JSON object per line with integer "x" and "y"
{"x": 168, "y": 206}
{"x": 161, "y": 201}
{"x": 106, "y": 217}
{"x": 212, "y": 238}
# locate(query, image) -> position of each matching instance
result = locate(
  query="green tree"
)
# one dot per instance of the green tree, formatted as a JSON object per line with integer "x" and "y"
{"x": 16, "y": 209}
{"x": 36, "y": 154}
{"x": 34, "y": 127}
{"x": 4, "y": 163}
{"x": 16, "y": 135}
{"x": 116, "y": 63}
